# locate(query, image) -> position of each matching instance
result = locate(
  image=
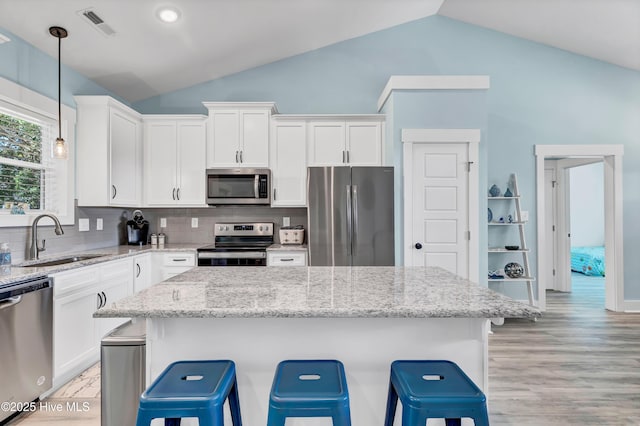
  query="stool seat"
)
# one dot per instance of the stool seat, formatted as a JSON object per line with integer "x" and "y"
{"x": 309, "y": 388}
{"x": 192, "y": 389}
{"x": 434, "y": 389}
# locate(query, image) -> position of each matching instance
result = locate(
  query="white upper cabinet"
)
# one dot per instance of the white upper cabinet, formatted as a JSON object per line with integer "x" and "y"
{"x": 238, "y": 134}
{"x": 109, "y": 149}
{"x": 288, "y": 162}
{"x": 174, "y": 153}
{"x": 346, "y": 141}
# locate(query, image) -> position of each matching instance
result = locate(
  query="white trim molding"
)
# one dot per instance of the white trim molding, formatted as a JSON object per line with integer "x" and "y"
{"x": 632, "y": 306}
{"x": 614, "y": 253}
{"x": 432, "y": 82}
{"x": 472, "y": 138}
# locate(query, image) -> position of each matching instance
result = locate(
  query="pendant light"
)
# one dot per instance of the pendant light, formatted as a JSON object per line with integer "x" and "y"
{"x": 60, "y": 148}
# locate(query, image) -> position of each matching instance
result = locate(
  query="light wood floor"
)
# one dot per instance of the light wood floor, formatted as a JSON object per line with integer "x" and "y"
{"x": 577, "y": 365}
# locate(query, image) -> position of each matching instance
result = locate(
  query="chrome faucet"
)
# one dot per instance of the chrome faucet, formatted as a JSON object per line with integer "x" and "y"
{"x": 35, "y": 249}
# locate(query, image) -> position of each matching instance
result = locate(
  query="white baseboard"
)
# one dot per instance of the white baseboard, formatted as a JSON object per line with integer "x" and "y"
{"x": 631, "y": 306}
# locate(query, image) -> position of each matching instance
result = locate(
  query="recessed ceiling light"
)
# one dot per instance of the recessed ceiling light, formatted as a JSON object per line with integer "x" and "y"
{"x": 168, "y": 14}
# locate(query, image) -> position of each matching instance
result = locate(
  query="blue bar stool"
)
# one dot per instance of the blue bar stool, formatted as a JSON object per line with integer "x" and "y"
{"x": 309, "y": 388}
{"x": 192, "y": 389}
{"x": 434, "y": 389}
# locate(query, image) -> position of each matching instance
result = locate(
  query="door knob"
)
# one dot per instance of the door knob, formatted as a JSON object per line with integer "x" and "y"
{"x": 418, "y": 246}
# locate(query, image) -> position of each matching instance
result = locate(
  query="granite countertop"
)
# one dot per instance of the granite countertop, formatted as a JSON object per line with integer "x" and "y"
{"x": 317, "y": 291}
{"x": 23, "y": 271}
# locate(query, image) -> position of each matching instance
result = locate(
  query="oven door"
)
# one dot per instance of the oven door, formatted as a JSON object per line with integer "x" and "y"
{"x": 232, "y": 258}
{"x": 238, "y": 186}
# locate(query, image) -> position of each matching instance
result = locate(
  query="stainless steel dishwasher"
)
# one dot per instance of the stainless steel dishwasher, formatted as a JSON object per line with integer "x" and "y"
{"x": 122, "y": 372}
{"x": 26, "y": 343}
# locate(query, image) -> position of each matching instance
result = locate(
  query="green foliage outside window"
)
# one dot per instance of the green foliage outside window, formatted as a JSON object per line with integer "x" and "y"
{"x": 21, "y": 140}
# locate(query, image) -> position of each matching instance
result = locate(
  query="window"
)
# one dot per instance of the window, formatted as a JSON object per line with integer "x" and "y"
{"x": 32, "y": 182}
{"x": 26, "y": 176}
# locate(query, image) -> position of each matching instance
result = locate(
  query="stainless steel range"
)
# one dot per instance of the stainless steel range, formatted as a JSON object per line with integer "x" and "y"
{"x": 238, "y": 244}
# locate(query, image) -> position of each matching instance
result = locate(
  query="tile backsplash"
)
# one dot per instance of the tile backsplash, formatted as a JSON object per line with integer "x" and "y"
{"x": 178, "y": 229}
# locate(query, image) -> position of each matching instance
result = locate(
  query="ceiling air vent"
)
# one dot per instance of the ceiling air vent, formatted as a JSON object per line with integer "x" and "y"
{"x": 96, "y": 22}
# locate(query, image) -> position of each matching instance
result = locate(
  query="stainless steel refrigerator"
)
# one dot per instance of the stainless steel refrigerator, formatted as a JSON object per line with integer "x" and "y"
{"x": 350, "y": 214}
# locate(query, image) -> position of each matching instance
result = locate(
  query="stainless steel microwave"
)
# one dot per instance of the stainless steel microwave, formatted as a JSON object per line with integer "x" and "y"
{"x": 238, "y": 186}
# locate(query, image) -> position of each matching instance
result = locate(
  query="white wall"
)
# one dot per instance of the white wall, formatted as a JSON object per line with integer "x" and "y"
{"x": 587, "y": 205}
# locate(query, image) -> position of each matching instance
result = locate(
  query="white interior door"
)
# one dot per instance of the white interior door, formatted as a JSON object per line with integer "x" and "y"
{"x": 440, "y": 206}
{"x": 549, "y": 274}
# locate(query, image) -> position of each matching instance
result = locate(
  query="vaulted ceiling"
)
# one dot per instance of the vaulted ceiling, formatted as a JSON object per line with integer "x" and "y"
{"x": 213, "y": 38}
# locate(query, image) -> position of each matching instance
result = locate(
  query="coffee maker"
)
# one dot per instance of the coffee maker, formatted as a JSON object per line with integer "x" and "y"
{"x": 137, "y": 229}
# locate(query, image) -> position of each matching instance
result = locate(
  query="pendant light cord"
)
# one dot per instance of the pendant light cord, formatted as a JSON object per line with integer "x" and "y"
{"x": 59, "y": 89}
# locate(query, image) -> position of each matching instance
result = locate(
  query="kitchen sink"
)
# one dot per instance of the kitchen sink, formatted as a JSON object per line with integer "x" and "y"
{"x": 61, "y": 261}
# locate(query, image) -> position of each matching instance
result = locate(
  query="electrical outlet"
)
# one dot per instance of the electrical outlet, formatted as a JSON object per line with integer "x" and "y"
{"x": 163, "y": 222}
{"x": 524, "y": 215}
{"x": 286, "y": 221}
{"x": 194, "y": 222}
{"x": 83, "y": 225}
{"x": 99, "y": 224}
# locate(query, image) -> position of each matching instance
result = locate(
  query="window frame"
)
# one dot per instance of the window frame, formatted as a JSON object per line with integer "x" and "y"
{"x": 22, "y": 101}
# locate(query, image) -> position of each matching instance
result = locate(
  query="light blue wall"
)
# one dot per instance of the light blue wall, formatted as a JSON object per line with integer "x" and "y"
{"x": 538, "y": 95}
{"x": 27, "y": 66}
{"x": 438, "y": 109}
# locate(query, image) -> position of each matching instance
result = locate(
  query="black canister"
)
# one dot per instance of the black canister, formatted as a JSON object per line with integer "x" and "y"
{"x": 137, "y": 229}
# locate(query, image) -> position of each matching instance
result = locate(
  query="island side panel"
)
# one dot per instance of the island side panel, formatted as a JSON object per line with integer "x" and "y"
{"x": 366, "y": 346}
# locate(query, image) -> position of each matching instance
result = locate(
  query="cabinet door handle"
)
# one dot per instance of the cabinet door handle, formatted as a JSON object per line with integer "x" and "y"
{"x": 139, "y": 270}
{"x": 274, "y": 194}
{"x": 348, "y": 160}
{"x": 237, "y": 157}
{"x": 179, "y": 260}
{"x": 241, "y": 156}
{"x": 288, "y": 259}
{"x": 173, "y": 195}
{"x": 343, "y": 157}
{"x": 99, "y": 304}
{"x": 178, "y": 194}
{"x": 114, "y": 191}
{"x": 104, "y": 299}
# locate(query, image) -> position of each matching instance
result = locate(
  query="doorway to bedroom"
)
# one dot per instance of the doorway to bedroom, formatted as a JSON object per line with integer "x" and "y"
{"x": 580, "y": 208}
{"x": 590, "y": 178}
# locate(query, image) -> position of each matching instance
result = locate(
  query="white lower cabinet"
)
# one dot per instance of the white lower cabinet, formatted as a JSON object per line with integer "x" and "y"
{"x": 174, "y": 263}
{"x": 142, "y": 272}
{"x": 286, "y": 258}
{"x": 77, "y": 294}
{"x": 169, "y": 264}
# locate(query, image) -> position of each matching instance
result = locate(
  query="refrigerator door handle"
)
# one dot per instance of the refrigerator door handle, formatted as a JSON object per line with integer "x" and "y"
{"x": 349, "y": 220}
{"x": 354, "y": 216}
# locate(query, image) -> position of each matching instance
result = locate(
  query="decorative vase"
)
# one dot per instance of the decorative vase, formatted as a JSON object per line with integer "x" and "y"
{"x": 508, "y": 193}
{"x": 513, "y": 270}
{"x": 490, "y": 217}
{"x": 494, "y": 191}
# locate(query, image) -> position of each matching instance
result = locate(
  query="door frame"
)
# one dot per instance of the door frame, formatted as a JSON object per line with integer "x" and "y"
{"x": 614, "y": 253}
{"x": 469, "y": 137}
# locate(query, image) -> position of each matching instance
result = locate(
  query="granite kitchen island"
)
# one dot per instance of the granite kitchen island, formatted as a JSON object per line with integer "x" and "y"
{"x": 364, "y": 316}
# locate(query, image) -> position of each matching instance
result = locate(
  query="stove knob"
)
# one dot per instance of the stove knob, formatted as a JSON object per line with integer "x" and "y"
{"x": 266, "y": 228}
{"x": 260, "y": 228}
{"x": 226, "y": 228}
{"x": 220, "y": 228}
